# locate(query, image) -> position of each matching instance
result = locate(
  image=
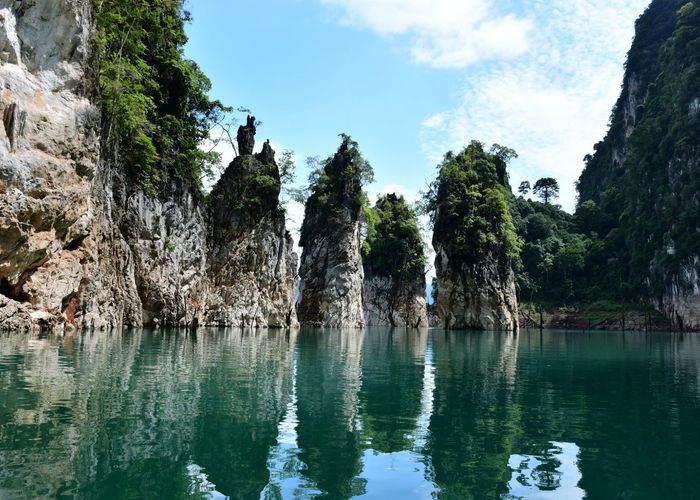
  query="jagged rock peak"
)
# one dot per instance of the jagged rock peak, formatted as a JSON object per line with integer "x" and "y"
{"x": 82, "y": 244}
{"x": 267, "y": 155}
{"x": 331, "y": 266}
{"x": 474, "y": 243}
{"x": 246, "y": 137}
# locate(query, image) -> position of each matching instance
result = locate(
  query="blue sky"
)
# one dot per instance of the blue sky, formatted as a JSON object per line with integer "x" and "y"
{"x": 412, "y": 79}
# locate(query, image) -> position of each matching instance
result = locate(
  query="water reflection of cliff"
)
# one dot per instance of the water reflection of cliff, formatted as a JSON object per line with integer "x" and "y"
{"x": 339, "y": 413}
{"x": 475, "y": 419}
{"x": 623, "y": 399}
{"x": 328, "y": 382}
{"x": 139, "y": 408}
{"x": 392, "y": 382}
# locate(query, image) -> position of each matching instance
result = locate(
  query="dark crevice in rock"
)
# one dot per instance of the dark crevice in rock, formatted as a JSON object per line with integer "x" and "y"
{"x": 75, "y": 244}
{"x": 13, "y": 120}
{"x": 13, "y": 292}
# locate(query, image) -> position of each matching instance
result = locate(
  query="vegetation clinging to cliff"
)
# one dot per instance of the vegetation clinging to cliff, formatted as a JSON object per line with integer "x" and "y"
{"x": 394, "y": 247}
{"x": 336, "y": 195}
{"x": 603, "y": 170}
{"x": 661, "y": 217}
{"x": 154, "y": 101}
{"x": 643, "y": 215}
{"x": 468, "y": 205}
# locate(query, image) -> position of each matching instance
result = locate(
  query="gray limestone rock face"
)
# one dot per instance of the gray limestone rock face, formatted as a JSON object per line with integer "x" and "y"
{"x": 331, "y": 273}
{"x": 394, "y": 265}
{"x": 246, "y": 137}
{"x": 478, "y": 297}
{"x": 252, "y": 269}
{"x": 681, "y": 300}
{"x": 388, "y": 304}
{"x": 49, "y": 145}
{"x": 82, "y": 246}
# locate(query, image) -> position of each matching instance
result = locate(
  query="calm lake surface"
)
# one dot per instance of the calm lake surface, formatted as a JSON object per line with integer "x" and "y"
{"x": 329, "y": 413}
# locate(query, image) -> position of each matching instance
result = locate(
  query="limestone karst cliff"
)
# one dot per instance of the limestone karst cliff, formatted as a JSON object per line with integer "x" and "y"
{"x": 642, "y": 178}
{"x": 394, "y": 266}
{"x": 253, "y": 266}
{"x": 331, "y": 264}
{"x": 474, "y": 241}
{"x": 83, "y": 241}
{"x": 49, "y": 153}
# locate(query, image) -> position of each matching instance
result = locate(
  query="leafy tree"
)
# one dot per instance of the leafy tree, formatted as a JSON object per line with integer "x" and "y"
{"x": 588, "y": 217}
{"x": 155, "y": 106}
{"x": 539, "y": 226}
{"x": 524, "y": 188}
{"x": 502, "y": 155}
{"x": 468, "y": 207}
{"x": 546, "y": 188}
{"x": 394, "y": 247}
{"x": 552, "y": 266}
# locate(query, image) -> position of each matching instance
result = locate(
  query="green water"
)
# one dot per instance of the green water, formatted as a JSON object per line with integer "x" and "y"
{"x": 379, "y": 413}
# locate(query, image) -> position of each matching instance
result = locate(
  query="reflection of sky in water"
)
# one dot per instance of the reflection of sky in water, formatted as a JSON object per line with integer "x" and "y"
{"x": 553, "y": 475}
{"x": 403, "y": 474}
{"x": 286, "y": 480}
{"x": 395, "y": 475}
{"x": 420, "y": 435}
{"x": 384, "y": 475}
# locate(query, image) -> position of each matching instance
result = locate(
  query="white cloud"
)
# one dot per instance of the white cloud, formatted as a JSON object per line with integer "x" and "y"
{"x": 442, "y": 33}
{"x": 552, "y": 105}
{"x": 409, "y": 194}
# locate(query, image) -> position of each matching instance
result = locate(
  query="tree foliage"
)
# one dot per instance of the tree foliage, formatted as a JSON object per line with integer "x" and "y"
{"x": 336, "y": 195}
{"x": 551, "y": 265}
{"x": 393, "y": 247}
{"x": 524, "y": 188}
{"x": 155, "y": 105}
{"x": 468, "y": 206}
{"x": 546, "y": 188}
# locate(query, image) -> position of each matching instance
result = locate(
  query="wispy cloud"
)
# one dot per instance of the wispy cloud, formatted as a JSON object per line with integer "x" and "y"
{"x": 551, "y": 105}
{"x": 541, "y": 78}
{"x": 442, "y": 33}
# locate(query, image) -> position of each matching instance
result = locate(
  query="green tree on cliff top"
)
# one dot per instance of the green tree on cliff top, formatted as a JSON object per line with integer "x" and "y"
{"x": 336, "y": 195}
{"x": 546, "y": 188}
{"x": 394, "y": 247}
{"x": 468, "y": 206}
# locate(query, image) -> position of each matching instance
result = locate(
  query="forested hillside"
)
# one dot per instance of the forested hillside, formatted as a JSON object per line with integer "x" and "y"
{"x": 633, "y": 239}
{"x": 639, "y": 191}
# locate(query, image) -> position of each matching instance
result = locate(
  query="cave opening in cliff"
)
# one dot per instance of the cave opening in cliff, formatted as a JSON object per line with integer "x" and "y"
{"x": 13, "y": 292}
